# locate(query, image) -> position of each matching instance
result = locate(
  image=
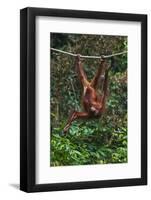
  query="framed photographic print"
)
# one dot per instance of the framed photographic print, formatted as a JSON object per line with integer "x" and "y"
{"x": 83, "y": 99}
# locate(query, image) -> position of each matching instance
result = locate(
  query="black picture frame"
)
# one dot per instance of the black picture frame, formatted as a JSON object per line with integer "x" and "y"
{"x": 28, "y": 98}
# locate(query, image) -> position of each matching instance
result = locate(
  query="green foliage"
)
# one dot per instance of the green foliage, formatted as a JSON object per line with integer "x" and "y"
{"x": 98, "y": 141}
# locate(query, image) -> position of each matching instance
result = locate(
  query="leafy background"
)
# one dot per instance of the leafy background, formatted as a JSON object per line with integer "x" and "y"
{"x": 98, "y": 141}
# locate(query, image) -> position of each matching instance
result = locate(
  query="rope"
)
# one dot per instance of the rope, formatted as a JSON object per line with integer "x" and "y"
{"x": 82, "y": 56}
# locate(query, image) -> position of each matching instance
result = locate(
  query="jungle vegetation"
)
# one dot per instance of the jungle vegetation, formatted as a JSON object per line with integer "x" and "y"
{"x": 97, "y": 141}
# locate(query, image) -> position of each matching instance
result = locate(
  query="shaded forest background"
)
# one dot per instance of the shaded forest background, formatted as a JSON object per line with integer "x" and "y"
{"x": 98, "y": 141}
